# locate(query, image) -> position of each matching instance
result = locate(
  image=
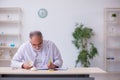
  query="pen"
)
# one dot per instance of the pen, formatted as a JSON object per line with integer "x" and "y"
{"x": 49, "y": 62}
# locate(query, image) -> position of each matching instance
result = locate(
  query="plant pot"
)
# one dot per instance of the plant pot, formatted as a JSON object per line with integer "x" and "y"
{"x": 113, "y": 18}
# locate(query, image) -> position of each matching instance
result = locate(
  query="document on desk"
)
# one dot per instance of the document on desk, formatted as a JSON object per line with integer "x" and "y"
{"x": 62, "y": 68}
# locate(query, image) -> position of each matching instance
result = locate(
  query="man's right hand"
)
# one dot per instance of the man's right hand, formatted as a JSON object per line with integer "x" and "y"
{"x": 26, "y": 66}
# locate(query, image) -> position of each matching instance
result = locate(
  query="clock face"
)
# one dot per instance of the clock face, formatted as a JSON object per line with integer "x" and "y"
{"x": 42, "y": 13}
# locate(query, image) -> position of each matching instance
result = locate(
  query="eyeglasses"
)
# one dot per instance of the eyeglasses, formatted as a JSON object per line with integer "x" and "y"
{"x": 37, "y": 46}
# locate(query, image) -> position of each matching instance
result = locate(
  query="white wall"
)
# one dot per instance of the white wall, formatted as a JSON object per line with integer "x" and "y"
{"x": 60, "y": 22}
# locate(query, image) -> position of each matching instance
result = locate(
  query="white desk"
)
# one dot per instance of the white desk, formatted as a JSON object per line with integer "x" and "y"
{"x": 8, "y": 73}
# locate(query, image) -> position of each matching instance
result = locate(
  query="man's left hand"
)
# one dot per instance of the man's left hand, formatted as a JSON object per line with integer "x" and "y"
{"x": 51, "y": 66}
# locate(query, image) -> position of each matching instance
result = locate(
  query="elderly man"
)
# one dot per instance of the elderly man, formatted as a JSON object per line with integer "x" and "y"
{"x": 37, "y": 53}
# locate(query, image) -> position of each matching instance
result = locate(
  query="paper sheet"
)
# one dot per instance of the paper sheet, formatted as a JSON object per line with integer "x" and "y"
{"x": 62, "y": 68}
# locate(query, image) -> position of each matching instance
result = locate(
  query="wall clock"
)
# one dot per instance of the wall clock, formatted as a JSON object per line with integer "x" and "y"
{"x": 42, "y": 13}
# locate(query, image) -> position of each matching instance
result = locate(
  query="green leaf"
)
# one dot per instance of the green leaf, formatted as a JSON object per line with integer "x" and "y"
{"x": 93, "y": 51}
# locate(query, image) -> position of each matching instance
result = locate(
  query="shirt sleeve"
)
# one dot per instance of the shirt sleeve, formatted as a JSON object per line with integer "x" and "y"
{"x": 57, "y": 59}
{"x": 17, "y": 58}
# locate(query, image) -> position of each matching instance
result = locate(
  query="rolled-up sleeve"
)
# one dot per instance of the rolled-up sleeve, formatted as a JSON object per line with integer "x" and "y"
{"x": 57, "y": 59}
{"x": 17, "y": 58}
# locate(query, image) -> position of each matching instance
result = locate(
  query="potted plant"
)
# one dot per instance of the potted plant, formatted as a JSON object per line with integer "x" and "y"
{"x": 87, "y": 50}
{"x": 113, "y": 16}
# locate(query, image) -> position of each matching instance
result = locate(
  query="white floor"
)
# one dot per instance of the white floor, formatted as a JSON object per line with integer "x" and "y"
{"x": 107, "y": 76}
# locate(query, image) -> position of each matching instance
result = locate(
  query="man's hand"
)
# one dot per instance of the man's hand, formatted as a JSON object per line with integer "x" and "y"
{"x": 26, "y": 66}
{"x": 51, "y": 66}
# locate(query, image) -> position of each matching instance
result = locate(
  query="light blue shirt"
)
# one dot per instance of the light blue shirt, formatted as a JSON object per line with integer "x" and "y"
{"x": 40, "y": 58}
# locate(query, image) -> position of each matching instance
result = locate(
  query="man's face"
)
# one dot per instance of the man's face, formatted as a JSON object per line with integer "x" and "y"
{"x": 36, "y": 42}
